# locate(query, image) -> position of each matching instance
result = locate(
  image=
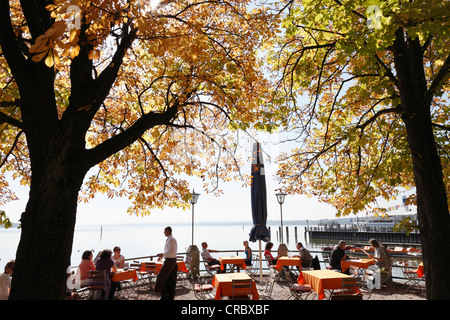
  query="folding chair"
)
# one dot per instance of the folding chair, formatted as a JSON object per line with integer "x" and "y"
{"x": 202, "y": 290}
{"x": 350, "y": 290}
{"x": 241, "y": 289}
{"x": 265, "y": 292}
{"x": 98, "y": 285}
{"x": 297, "y": 291}
{"x": 412, "y": 279}
{"x": 211, "y": 270}
{"x": 386, "y": 275}
{"x": 253, "y": 269}
{"x": 368, "y": 282}
{"x": 148, "y": 273}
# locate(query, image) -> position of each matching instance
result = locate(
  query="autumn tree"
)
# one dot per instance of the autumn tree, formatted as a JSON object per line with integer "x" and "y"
{"x": 134, "y": 92}
{"x": 367, "y": 83}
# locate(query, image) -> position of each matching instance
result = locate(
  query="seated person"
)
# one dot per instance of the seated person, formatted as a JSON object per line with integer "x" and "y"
{"x": 337, "y": 255}
{"x": 5, "y": 280}
{"x": 248, "y": 254}
{"x": 118, "y": 258}
{"x": 106, "y": 263}
{"x": 270, "y": 259}
{"x": 85, "y": 265}
{"x": 380, "y": 254}
{"x": 208, "y": 258}
{"x": 304, "y": 255}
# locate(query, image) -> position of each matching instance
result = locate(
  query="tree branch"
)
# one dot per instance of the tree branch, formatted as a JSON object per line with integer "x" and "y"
{"x": 12, "y": 148}
{"x": 7, "y": 119}
{"x": 397, "y": 109}
{"x": 10, "y": 45}
{"x": 443, "y": 72}
{"x": 127, "y": 137}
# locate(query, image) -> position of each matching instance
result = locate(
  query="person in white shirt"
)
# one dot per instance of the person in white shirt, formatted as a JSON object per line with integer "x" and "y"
{"x": 167, "y": 277}
{"x": 5, "y": 280}
{"x": 210, "y": 261}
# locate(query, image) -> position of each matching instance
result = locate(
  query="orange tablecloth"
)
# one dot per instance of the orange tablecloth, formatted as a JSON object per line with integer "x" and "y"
{"x": 237, "y": 261}
{"x": 222, "y": 283}
{"x": 288, "y": 261}
{"x": 122, "y": 275}
{"x": 420, "y": 271}
{"x": 319, "y": 280}
{"x": 181, "y": 266}
{"x": 360, "y": 263}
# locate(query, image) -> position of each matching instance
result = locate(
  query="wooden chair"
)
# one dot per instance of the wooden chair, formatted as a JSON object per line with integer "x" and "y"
{"x": 98, "y": 285}
{"x": 241, "y": 289}
{"x": 350, "y": 290}
{"x": 149, "y": 273}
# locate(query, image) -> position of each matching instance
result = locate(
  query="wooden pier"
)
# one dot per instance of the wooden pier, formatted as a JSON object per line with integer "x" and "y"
{"x": 364, "y": 236}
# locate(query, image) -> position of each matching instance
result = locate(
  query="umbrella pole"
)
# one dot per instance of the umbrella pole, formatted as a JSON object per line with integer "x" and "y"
{"x": 260, "y": 264}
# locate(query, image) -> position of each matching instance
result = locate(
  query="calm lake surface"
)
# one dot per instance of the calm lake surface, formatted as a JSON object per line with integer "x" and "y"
{"x": 139, "y": 240}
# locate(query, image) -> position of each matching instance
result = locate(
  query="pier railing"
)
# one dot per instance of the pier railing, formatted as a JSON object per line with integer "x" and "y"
{"x": 265, "y": 267}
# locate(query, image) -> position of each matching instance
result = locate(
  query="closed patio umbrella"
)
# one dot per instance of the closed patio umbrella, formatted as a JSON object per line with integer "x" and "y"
{"x": 259, "y": 230}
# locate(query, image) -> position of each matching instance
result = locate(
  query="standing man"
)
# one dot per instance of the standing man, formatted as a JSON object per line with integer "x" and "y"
{"x": 167, "y": 277}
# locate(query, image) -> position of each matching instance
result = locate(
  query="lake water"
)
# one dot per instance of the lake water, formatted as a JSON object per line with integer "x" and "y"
{"x": 144, "y": 239}
{"x": 140, "y": 240}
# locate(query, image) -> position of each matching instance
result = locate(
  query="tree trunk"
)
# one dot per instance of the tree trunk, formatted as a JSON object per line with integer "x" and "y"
{"x": 48, "y": 224}
{"x": 432, "y": 207}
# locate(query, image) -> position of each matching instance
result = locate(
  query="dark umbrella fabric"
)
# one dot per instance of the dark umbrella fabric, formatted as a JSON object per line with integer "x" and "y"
{"x": 259, "y": 230}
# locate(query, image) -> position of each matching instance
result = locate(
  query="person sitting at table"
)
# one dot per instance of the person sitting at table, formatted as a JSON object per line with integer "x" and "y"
{"x": 248, "y": 254}
{"x": 106, "y": 263}
{"x": 118, "y": 259}
{"x": 206, "y": 255}
{"x": 270, "y": 259}
{"x": 5, "y": 280}
{"x": 304, "y": 255}
{"x": 85, "y": 265}
{"x": 380, "y": 254}
{"x": 382, "y": 259}
{"x": 337, "y": 255}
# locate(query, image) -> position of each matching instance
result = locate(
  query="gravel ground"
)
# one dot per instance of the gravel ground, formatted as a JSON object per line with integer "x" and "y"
{"x": 281, "y": 292}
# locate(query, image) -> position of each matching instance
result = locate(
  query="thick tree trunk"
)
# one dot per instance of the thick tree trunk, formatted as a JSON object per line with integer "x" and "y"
{"x": 57, "y": 172}
{"x": 48, "y": 224}
{"x": 432, "y": 208}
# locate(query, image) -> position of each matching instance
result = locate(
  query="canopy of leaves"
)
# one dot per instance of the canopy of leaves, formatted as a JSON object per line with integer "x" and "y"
{"x": 338, "y": 75}
{"x": 200, "y": 57}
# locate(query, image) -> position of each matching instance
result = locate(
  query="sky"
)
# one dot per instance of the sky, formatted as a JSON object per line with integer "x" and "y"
{"x": 233, "y": 205}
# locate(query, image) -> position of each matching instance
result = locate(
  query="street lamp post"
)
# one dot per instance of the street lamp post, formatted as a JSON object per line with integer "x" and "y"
{"x": 192, "y": 252}
{"x": 193, "y": 201}
{"x": 280, "y": 198}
